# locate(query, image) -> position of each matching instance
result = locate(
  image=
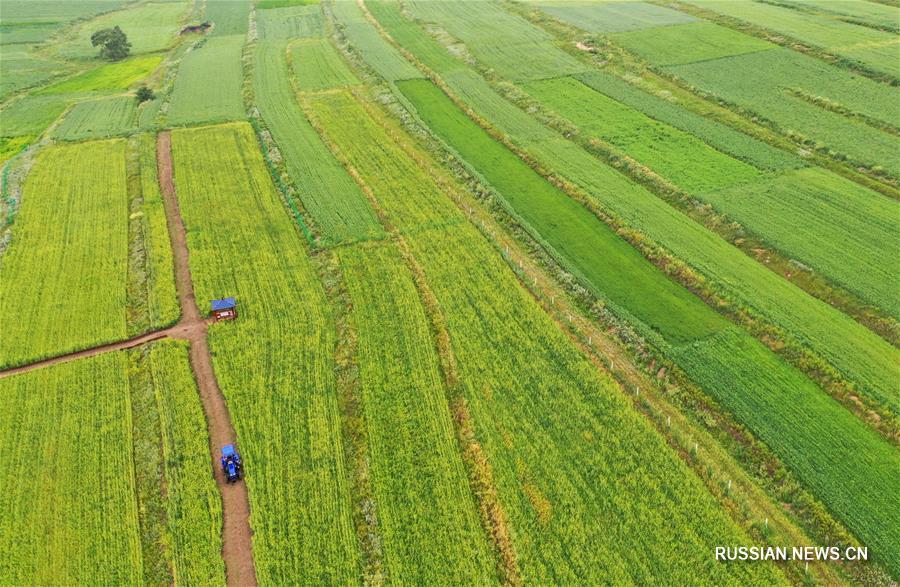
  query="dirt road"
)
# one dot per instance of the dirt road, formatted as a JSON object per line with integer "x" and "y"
{"x": 236, "y": 534}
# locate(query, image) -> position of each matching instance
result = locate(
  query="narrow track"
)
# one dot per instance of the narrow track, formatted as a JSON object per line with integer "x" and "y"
{"x": 236, "y": 533}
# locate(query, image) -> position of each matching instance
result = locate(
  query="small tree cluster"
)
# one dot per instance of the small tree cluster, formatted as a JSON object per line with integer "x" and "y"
{"x": 144, "y": 93}
{"x": 113, "y": 43}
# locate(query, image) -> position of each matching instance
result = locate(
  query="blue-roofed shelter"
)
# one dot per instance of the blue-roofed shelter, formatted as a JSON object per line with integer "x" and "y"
{"x": 224, "y": 309}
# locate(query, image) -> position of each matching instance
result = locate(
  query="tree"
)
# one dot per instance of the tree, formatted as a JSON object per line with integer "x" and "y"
{"x": 113, "y": 43}
{"x": 144, "y": 93}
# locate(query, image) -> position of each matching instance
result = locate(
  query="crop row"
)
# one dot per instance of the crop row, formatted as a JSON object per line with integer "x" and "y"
{"x": 208, "y": 86}
{"x": 322, "y": 68}
{"x": 385, "y": 59}
{"x": 275, "y": 365}
{"x": 292, "y": 22}
{"x": 563, "y": 445}
{"x": 678, "y": 156}
{"x": 98, "y": 119}
{"x": 160, "y": 301}
{"x": 766, "y": 83}
{"x": 617, "y": 273}
{"x": 849, "y": 244}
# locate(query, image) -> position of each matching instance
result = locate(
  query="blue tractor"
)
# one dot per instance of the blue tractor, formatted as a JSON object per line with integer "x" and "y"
{"x": 231, "y": 464}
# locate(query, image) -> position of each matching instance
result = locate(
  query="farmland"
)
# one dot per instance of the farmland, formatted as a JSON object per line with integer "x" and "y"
{"x": 415, "y": 463}
{"x": 75, "y": 429}
{"x": 862, "y": 357}
{"x": 208, "y": 86}
{"x": 536, "y": 469}
{"x": 285, "y": 413}
{"x": 525, "y": 292}
{"x": 678, "y": 156}
{"x": 115, "y": 76}
{"x": 874, "y": 48}
{"x": 322, "y": 67}
{"x": 326, "y": 189}
{"x": 150, "y": 27}
{"x": 68, "y": 255}
{"x": 97, "y": 119}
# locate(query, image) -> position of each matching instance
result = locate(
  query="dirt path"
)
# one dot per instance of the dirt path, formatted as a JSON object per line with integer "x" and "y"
{"x": 97, "y": 350}
{"x": 236, "y": 534}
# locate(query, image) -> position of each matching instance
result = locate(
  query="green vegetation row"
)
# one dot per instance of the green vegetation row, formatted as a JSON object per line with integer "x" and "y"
{"x": 428, "y": 527}
{"x": 180, "y": 509}
{"x": 275, "y": 365}
{"x": 325, "y": 189}
{"x": 64, "y": 272}
{"x": 151, "y": 268}
{"x": 208, "y": 86}
{"x": 873, "y": 48}
{"x": 83, "y": 495}
{"x": 562, "y": 443}
{"x": 287, "y": 23}
{"x": 841, "y": 229}
{"x": 766, "y": 82}
{"x": 820, "y": 440}
{"x": 861, "y": 356}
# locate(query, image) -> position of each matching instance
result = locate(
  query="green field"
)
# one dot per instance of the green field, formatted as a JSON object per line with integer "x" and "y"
{"x": 629, "y": 282}
{"x": 677, "y": 156}
{"x": 208, "y": 86}
{"x": 317, "y": 66}
{"x": 872, "y": 14}
{"x": 64, "y": 271}
{"x": 529, "y": 292}
{"x": 114, "y": 76}
{"x": 861, "y": 356}
{"x": 156, "y": 274}
{"x": 151, "y": 26}
{"x": 297, "y": 22}
{"x": 383, "y": 57}
{"x": 275, "y": 365}
{"x": 773, "y": 83}
{"x": 687, "y": 43}
{"x": 613, "y": 17}
{"x": 30, "y": 114}
{"x": 88, "y": 433}
{"x": 229, "y": 17}
{"x": 98, "y": 119}
{"x": 22, "y": 70}
{"x": 325, "y": 189}
{"x": 715, "y": 134}
{"x": 428, "y": 520}
{"x": 838, "y": 228}
{"x": 873, "y": 48}
{"x": 506, "y": 43}
{"x": 841, "y": 229}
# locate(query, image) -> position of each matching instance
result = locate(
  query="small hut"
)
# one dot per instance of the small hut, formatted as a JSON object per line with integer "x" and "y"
{"x": 224, "y": 309}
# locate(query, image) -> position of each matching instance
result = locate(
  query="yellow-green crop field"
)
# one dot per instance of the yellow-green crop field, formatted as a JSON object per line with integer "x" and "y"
{"x": 64, "y": 270}
{"x": 85, "y": 435}
{"x": 528, "y": 292}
